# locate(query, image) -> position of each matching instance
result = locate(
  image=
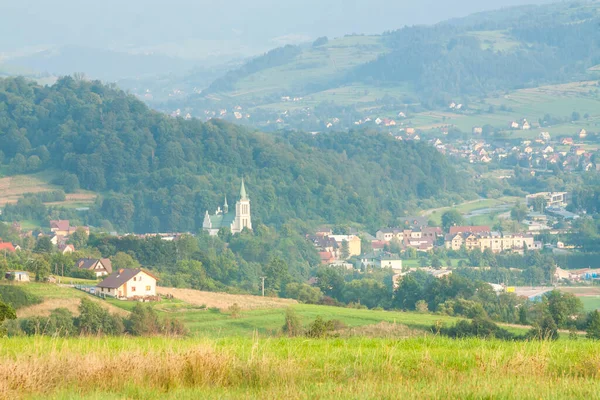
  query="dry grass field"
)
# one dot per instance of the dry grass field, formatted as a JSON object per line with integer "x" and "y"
{"x": 224, "y": 300}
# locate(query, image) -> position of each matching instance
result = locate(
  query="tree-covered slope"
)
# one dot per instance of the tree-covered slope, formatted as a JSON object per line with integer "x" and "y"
{"x": 161, "y": 173}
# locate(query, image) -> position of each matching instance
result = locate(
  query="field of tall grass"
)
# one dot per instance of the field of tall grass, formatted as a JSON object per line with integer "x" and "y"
{"x": 274, "y": 368}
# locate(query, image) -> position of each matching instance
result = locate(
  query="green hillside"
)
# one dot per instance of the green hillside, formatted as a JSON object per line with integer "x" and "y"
{"x": 475, "y": 61}
{"x": 158, "y": 173}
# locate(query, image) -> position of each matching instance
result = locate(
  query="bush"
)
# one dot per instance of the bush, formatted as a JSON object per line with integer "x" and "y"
{"x": 478, "y": 327}
{"x": 292, "y": 325}
{"x": 421, "y": 306}
{"x": 234, "y": 310}
{"x": 18, "y": 297}
{"x": 546, "y": 329}
{"x": 143, "y": 321}
{"x": 320, "y": 328}
{"x": 83, "y": 274}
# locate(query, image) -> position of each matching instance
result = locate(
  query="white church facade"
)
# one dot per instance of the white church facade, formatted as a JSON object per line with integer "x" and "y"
{"x": 236, "y": 221}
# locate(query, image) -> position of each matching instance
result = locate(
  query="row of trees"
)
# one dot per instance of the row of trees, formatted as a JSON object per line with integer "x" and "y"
{"x": 94, "y": 319}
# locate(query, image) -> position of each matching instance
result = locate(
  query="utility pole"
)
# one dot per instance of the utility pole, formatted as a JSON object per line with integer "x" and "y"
{"x": 263, "y": 284}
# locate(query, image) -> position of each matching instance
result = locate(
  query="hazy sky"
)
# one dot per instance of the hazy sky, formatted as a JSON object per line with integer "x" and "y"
{"x": 121, "y": 24}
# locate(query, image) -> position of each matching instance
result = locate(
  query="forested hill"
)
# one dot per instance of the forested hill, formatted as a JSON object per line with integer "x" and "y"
{"x": 157, "y": 173}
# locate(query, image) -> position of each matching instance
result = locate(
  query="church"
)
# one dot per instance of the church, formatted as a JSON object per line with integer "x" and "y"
{"x": 235, "y": 221}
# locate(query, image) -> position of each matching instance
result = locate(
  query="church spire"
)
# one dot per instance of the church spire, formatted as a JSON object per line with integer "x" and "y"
{"x": 243, "y": 195}
{"x": 225, "y": 206}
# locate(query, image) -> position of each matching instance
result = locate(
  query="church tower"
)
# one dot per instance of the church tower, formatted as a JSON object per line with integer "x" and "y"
{"x": 243, "y": 218}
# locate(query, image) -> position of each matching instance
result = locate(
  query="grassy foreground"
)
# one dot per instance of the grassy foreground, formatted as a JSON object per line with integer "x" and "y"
{"x": 428, "y": 367}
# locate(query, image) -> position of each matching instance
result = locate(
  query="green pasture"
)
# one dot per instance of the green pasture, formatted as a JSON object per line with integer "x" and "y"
{"x": 297, "y": 368}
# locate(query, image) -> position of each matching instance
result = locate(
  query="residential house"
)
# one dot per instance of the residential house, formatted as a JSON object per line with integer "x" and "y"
{"x": 128, "y": 284}
{"x": 60, "y": 227}
{"x": 567, "y": 141}
{"x": 514, "y": 125}
{"x": 410, "y": 131}
{"x": 64, "y": 228}
{"x": 326, "y": 257}
{"x": 354, "y": 243}
{"x": 7, "y": 247}
{"x": 526, "y": 126}
{"x": 477, "y": 130}
{"x": 17, "y": 276}
{"x": 378, "y": 245}
{"x": 101, "y": 267}
{"x": 548, "y": 149}
{"x": 66, "y": 248}
{"x": 545, "y": 136}
{"x": 392, "y": 261}
{"x": 582, "y": 134}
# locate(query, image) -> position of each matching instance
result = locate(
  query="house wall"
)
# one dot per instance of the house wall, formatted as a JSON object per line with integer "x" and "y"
{"x": 140, "y": 285}
{"x": 396, "y": 265}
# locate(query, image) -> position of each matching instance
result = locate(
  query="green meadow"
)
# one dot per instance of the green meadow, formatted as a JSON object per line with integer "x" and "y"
{"x": 296, "y": 368}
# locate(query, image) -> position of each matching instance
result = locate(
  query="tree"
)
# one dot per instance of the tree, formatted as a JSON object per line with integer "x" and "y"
{"x": 43, "y": 245}
{"x": 6, "y": 313}
{"x": 277, "y": 273}
{"x": 303, "y": 292}
{"x": 95, "y": 320}
{"x": 452, "y": 218}
{"x": 593, "y": 328}
{"x": 345, "y": 251}
{"x": 518, "y": 212}
{"x": 79, "y": 238}
{"x": 40, "y": 267}
{"x": 539, "y": 204}
{"x": 563, "y": 307}
{"x": 143, "y": 321}
{"x": 293, "y": 325}
{"x": 575, "y": 116}
{"x": 124, "y": 260}
{"x": 436, "y": 263}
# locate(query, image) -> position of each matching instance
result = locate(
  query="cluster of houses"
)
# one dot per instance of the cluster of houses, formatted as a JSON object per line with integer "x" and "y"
{"x": 482, "y": 238}
{"x": 541, "y": 152}
{"x": 331, "y": 247}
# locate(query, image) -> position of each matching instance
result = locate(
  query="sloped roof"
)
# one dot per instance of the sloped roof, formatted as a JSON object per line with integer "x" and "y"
{"x": 90, "y": 263}
{"x": 469, "y": 229}
{"x": 222, "y": 220}
{"x": 62, "y": 225}
{"x": 7, "y": 246}
{"x": 120, "y": 277}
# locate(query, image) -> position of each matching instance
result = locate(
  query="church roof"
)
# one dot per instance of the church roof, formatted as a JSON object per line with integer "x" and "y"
{"x": 243, "y": 195}
{"x": 222, "y": 220}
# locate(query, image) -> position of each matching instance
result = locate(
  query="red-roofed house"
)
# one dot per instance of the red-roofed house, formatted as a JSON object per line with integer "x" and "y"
{"x": 378, "y": 245}
{"x": 5, "y": 246}
{"x": 326, "y": 257}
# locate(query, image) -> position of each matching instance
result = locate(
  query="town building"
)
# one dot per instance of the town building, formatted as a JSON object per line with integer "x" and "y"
{"x": 494, "y": 241}
{"x": 236, "y": 221}
{"x": 553, "y": 199}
